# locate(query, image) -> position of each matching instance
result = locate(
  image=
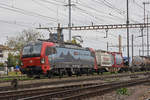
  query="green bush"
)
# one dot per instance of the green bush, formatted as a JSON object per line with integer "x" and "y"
{"x": 122, "y": 91}
{"x": 1, "y": 64}
{"x": 13, "y": 60}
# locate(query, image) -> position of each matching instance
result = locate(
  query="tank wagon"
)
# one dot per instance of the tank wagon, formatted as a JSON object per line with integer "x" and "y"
{"x": 104, "y": 60}
{"x": 108, "y": 61}
{"x": 49, "y": 58}
{"x": 141, "y": 63}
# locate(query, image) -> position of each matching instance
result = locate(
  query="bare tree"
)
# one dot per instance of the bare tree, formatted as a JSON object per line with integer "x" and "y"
{"x": 22, "y": 39}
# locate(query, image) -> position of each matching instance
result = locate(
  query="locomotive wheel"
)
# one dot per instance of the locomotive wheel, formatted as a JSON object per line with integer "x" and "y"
{"x": 69, "y": 73}
{"x": 29, "y": 75}
{"x": 98, "y": 72}
{"x": 60, "y": 73}
{"x": 91, "y": 72}
{"x": 49, "y": 74}
{"x": 78, "y": 73}
{"x": 37, "y": 77}
{"x": 87, "y": 72}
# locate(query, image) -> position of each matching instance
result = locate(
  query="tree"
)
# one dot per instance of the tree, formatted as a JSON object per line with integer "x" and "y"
{"x": 1, "y": 64}
{"x": 10, "y": 60}
{"x": 22, "y": 39}
{"x": 13, "y": 60}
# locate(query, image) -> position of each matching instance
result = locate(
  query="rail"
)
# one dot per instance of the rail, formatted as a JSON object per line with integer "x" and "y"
{"x": 87, "y": 92}
{"x": 69, "y": 80}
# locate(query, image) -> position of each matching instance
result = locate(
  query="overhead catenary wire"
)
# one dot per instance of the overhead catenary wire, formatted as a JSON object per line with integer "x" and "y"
{"x": 25, "y": 12}
{"x": 43, "y": 5}
{"x": 15, "y": 23}
{"x": 64, "y": 15}
{"x": 119, "y": 11}
{"x": 59, "y": 1}
{"x": 50, "y": 2}
{"x": 110, "y": 16}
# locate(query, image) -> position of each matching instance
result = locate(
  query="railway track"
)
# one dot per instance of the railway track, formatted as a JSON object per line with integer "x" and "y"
{"x": 65, "y": 81}
{"x": 4, "y": 79}
{"x": 14, "y": 95}
{"x": 85, "y": 92}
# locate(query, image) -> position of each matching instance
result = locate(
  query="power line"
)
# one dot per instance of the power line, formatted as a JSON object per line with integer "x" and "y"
{"x": 119, "y": 11}
{"x": 22, "y": 11}
{"x": 64, "y": 15}
{"x": 41, "y": 4}
{"x": 85, "y": 11}
{"x": 108, "y": 4}
{"x": 100, "y": 12}
{"x": 15, "y": 23}
{"x": 140, "y": 6}
{"x": 94, "y": 15}
{"x": 46, "y": 1}
{"x": 59, "y": 2}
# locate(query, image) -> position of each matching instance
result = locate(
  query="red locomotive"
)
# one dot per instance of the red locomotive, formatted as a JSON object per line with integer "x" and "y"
{"x": 51, "y": 58}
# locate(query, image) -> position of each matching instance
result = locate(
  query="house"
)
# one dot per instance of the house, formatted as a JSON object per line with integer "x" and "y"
{"x": 4, "y": 51}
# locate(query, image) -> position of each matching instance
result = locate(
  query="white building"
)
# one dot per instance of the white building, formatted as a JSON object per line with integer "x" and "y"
{"x": 4, "y": 51}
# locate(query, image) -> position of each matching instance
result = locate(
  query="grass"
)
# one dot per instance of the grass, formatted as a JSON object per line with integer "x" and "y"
{"x": 122, "y": 91}
{"x": 21, "y": 78}
{"x": 12, "y": 75}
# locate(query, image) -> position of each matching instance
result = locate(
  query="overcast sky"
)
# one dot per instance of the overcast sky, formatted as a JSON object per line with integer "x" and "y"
{"x": 17, "y": 15}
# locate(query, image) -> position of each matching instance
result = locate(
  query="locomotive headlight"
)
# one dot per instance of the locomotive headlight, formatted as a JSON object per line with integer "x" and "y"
{"x": 42, "y": 61}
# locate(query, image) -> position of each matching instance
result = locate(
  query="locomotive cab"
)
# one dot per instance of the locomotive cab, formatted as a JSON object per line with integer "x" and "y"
{"x": 34, "y": 61}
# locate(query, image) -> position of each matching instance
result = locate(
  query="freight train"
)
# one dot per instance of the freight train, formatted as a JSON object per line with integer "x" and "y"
{"x": 49, "y": 58}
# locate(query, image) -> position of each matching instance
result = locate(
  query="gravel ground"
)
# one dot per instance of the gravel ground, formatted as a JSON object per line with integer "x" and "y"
{"x": 140, "y": 92}
{"x": 52, "y": 80}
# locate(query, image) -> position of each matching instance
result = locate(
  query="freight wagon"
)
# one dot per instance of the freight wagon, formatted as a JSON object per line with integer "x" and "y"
{"x": 108, "y": 61}
{"x": 140, "y": 63}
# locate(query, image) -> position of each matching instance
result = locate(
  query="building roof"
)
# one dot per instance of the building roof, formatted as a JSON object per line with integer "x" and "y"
{"x": 2, "y": 47}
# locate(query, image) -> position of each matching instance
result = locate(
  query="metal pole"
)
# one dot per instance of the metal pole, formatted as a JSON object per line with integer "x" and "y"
{"x": 147, "y": 37}
{"x": 120, "y": 47}
{"x": 128, "y": 29}
{"x": 144, "y": 11}
{"x": 142, "y": 32}
{"x": 139, "y": 52}
{"x": 132, "y": 49}
{"x": 107, "y": 47}
{"x": 59, "y": 31}
{"x": 69, "y": 2}
{"x": 142, "y": 42}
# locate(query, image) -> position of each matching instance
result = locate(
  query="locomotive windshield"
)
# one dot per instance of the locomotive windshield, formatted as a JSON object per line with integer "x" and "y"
{"x": 32, "y": 51}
